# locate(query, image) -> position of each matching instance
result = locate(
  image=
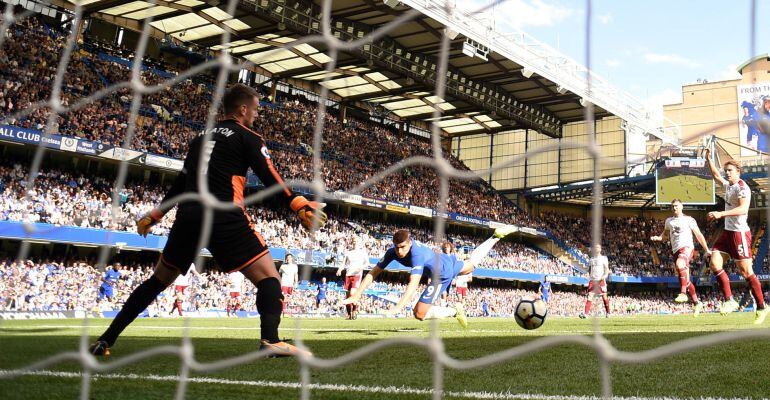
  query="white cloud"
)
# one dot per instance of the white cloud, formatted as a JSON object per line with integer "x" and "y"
{"x": 667, "y": 96}
{"x": 728, "y": 73}
{"x": 517, "y": 14}
{"x": 635, "y": 51}
{"x": 673, "y": 59}
{"x": 613, "y": 62}
{"x": 604, "y": 18}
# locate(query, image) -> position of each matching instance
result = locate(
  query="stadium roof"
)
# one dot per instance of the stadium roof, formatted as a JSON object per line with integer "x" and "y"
{"x": 495, "y": 83}
{"x": 633, "y": 192}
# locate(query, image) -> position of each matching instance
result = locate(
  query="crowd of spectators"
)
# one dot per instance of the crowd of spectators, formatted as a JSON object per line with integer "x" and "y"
{"x": 353, "y": 150}
{"x": 67, "y": 198}
{"x": 46, "y": 285}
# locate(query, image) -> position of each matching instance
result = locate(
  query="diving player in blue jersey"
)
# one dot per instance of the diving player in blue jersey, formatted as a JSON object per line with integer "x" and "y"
{"x": 107, "y": 289}
{"x": 421, "y": 258}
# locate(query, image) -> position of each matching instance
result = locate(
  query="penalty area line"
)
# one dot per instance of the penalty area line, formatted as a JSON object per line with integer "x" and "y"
{"x": 396, "y": 390}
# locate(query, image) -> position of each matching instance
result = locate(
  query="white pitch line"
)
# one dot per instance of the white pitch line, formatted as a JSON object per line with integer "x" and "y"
{"x": 345, "y": 388}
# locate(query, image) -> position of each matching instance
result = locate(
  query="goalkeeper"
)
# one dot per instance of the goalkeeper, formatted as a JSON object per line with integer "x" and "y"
{"x": 231, "y": 148}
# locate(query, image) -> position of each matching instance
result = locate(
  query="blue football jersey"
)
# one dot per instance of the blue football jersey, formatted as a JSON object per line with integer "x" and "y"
{"x": 418, "y": 258}
{"x": 322, "y": 290}
{"x": 545, "y": 288}
{"x": 111, "y": 276}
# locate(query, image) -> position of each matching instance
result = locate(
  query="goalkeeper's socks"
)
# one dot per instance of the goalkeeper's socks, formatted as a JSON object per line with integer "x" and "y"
{"x": 269, "y": 305}
{"x": 141, "y": 297}
{"x": 438, "y": 312}
{"x": 587, "y": 309}
{"x": 756, "y": 291}
{"x": 481, "y": 251}
{"x": 724, "y": 284}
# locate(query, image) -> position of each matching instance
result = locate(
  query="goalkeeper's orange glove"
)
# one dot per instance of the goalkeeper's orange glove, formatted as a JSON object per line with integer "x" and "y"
{"x": 310, "y": 213}
{"x": 147, "y": 221}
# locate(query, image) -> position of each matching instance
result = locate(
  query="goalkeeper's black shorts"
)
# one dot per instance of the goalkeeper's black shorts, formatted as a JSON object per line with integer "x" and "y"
{"x": 233, "y": 242}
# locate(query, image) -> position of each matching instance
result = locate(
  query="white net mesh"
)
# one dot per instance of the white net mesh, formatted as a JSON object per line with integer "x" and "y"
{"x": 226, "y": 64}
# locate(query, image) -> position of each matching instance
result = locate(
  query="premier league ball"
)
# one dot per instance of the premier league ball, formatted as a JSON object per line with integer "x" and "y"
{"x": 530, "y": 314}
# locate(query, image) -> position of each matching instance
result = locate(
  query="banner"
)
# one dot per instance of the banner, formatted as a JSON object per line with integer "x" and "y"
{"x": 397, "y": 207}
{"x": 754, "y": 117}
{"x": 91, "y": 148}
{"x": 556, "y": 278}
{"x": 77, "y": 145}
{"x": 373, "y": 202}
{"x": 422, "y": 211}
{"x": 164, "y": 162}
{"x": 348, "y": 198}
{"x": 468, "y": 220}
{"x": 16, "y": 134}
{"x": 69, "y": 144}
{"x": 121, "y": 154}
{"x": 437, "y": 214}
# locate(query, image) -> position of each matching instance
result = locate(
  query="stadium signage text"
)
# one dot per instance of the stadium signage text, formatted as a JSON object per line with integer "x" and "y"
{"x": 401, "y": 208}
{"x": 470, "y": 220}
{"x": 75, "y": 145}
{"x": 27, "y": 136}
{"x": 348, "y": 198}
{"x": 422, "y": 211}
{"x": 557, "y": 278}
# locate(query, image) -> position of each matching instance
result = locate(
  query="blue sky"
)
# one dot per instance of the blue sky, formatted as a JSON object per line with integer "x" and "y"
{"x": 648, "y": 48}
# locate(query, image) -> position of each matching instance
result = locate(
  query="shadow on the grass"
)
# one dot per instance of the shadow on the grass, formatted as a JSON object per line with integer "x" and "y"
{"x": 31, "y": 330}
{"x": 367, "y": 332}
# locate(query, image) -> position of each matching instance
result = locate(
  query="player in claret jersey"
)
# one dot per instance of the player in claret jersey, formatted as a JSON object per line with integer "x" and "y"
{"x": 598, "y": 271}
{"x": 356, "y": 260}
{"x": 421, "y": 258}
{"x": 229, "y": 150}
{"x": 461, "y": 287}
{"x": 235, "y": 281}
{"x": 735, "y": 240}
{"x": 680, "y": 228}
{"x": 181, "y": 283}
{"x": 289, "y": 278}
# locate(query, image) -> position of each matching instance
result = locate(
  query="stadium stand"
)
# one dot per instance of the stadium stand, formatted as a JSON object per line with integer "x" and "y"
{"x": 170, "y": 118}
{"x": 48, "y": 285}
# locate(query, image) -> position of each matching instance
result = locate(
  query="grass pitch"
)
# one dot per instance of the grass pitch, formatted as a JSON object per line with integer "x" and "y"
{"x": 688, "y": 188}
{"x": 737, "y": 369}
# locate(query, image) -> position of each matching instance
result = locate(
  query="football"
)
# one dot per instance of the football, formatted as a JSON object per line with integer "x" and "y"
{"x": 530, "y": 314}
